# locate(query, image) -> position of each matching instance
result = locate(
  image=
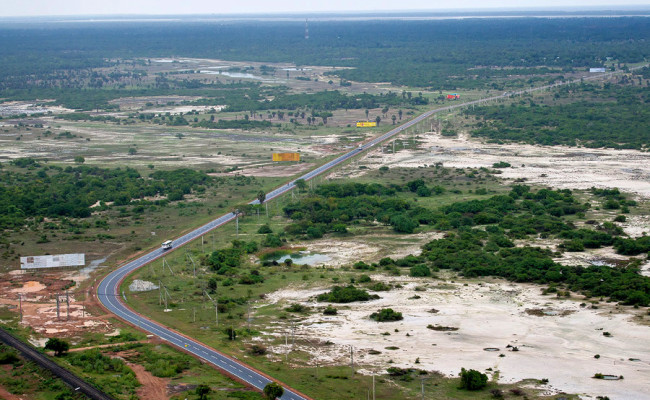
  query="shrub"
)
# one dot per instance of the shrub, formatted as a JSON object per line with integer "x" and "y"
{"x": 264, "y": 229}
{"x": 380, "y": 287}
{"x": 258, "y": 349}
{"x": 420, "y": 270}
{"x": 386, "y": 315}
{"x": 329, "y": 310}
{"x": 472, "y": 379}
{"x": 297, "y": 308}
{"x": 348, "y": 294}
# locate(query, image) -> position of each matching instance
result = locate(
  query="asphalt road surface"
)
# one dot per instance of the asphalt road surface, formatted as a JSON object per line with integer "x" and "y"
{"x": 108, "y": 289}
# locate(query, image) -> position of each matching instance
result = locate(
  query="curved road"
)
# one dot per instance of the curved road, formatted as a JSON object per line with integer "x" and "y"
{"x": 108, "y": 289}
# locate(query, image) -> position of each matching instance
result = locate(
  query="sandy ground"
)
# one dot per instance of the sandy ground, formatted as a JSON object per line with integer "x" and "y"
{"x": 559, "y": 348}
{"x": 273, "y": 170}
{"x": 38, "y": 292}
{"x": 558, "y": 166}
{"x": 348, "y": 251}
{"x": 153, "y": 388}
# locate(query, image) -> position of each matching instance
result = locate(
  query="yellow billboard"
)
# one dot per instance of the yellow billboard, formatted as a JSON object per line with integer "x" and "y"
{"x": 286, "y": 156}
{"x": 365, "y": 124}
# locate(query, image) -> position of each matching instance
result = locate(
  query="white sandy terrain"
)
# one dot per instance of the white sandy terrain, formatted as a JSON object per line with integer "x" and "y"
{"x": 557, "y": 166}
{"x": 558, "y": 347}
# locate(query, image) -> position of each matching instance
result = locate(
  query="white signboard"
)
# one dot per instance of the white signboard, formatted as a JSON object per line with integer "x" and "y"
{"x": 53, "y": 261}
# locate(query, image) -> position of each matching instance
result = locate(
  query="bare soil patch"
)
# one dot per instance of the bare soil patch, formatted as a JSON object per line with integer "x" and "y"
{"x": 38, "y": 294}
{"x": 557, "y": 166}
{"x": 271, "y": 170}
{"x": 559, "y": 345}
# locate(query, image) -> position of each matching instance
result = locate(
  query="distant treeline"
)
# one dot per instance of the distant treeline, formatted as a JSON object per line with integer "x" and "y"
{"x": 52, "y": 191}
{"x": 445, "y": 54}
{"x": 612, "y": 116}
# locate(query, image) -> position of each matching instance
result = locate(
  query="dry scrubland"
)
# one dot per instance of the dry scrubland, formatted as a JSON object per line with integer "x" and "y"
{"x": 556, "y": 338}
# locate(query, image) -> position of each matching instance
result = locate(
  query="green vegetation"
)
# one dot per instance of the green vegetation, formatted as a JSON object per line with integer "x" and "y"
{"x": 58, "y": 346}
{"x": 72, "y": 191}
{"x": 273, "y": 390}
{"x": 588, "y": 115}
{"x": 346, "y": 294}
{"x": 472, "y": 379}
{"x": 378, "y": 51}
{"x": 26, "y": 379}
{"x": 386, "y": 315}
{"x": 102, "y": 370}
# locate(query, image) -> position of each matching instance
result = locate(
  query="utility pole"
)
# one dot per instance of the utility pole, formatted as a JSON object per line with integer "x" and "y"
{"x": 373, "y": 386}
{"x": 20, "y": 305}
{"x": 422, "y": 386}
{"x": 352, "y": 359}
{"x": 67, "y": 301}
{"x": 286, "y": 346}
{"x": 248, "y": 318}
{"x": 58, "y": 314}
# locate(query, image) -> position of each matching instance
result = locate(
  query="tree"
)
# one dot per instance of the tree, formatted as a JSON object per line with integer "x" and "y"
{"x": 378, "y": 119}
{"x": 367, "y": 112}
{"x": 472, "y": 379}
{"x": 400, "y": 114}
{"x": 79, "y": 160}
{"x": 202, "y": 391}
{"x": 132, "y": 151}
{"x": 273, "y": 390}
{"x": 301, "y": 184}
{"x": 57, "y": 345}
{"x": 394, "y": 118}
{"x": 261, "y": 196}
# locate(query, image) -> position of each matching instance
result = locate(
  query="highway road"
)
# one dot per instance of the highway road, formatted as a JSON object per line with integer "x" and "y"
{"x": 108, "y": 289}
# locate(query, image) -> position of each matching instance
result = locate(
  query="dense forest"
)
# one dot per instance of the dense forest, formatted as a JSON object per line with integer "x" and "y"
{"x": 614, "y": 116}
{"x": 443, "y": 54}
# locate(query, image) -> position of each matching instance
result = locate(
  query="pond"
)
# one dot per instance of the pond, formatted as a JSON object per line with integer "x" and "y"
{"x": 302, "y": 258}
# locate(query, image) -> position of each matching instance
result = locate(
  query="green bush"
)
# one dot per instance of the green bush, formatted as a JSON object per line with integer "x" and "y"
{"x": 347, "y": 294}
{"x": 472, "y": 379}
{"x": 386, "y": 315}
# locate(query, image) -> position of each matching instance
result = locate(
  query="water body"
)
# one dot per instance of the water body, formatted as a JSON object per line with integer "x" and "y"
{"x": 305, "y": 258}
{"x": 242, "y": 75}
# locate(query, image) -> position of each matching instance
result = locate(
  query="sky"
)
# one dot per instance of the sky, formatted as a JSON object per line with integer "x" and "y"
{"x": 9, "y": 8}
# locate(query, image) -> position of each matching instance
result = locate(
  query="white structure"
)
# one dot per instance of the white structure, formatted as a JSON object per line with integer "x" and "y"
{"x": 53, "y": 261}
{"x": 596, "y": 69}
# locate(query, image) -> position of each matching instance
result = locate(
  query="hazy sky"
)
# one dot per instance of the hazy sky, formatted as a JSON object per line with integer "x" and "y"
{"x": 96, "y": 7}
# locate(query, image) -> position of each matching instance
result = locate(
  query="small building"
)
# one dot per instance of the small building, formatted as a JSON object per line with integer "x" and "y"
{"x": 453, "y": 96}
{"x": 596, "y": 70}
